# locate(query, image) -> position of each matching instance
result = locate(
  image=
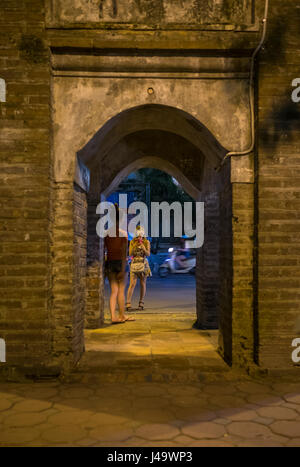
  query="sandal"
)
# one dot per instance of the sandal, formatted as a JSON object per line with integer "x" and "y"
{"x": 128, "y": 307}
{"x": 129, "y": 318}
{"x": 119, "y": 322}
{"x": 141, "y": 305}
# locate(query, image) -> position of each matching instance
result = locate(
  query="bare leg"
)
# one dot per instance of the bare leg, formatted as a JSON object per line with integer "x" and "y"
{"x": 121, "y": 297}
{"x": 143, "y": 281}
{"x": 131, "y": 287}
{"x": 114, "y": 287}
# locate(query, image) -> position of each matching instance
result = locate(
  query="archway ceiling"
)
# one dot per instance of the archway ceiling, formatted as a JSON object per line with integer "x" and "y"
{"x": 151, "y": 148}
{"x": 151, "y": 117}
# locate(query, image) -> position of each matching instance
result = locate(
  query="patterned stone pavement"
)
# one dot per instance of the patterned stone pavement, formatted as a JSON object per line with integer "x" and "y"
{"x": 151, "y": 383}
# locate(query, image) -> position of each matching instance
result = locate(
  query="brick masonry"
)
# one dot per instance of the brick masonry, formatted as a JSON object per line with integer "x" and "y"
{"x": 242, "y": 277}
{"x": 94, "y": 313}
{"x": 43, "y": 222}
{"x": 278, "y": 194}
{"x": 25, "y": 185}
{"x": 207, "y": 272}
{"x": 80, "y": 266}
{"x": 225, "y": 311}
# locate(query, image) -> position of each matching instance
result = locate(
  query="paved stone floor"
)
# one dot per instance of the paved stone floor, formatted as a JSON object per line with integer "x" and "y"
{"x": 152, "y": 382}
{"x": 159, "y": 348}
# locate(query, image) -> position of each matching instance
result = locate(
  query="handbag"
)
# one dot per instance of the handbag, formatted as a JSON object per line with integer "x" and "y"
{"x": 137, "y": 266}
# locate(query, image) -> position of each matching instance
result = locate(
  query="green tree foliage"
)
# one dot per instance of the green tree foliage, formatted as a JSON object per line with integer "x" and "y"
{"x": 162, "y": 186}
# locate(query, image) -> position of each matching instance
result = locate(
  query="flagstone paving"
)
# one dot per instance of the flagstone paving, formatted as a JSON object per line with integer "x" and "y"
{"x": 153, "y": 348}
{"x": 152, "y": 382}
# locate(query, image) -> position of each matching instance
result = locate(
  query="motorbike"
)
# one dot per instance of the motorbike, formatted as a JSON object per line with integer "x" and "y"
{"x": 169, "y": 266}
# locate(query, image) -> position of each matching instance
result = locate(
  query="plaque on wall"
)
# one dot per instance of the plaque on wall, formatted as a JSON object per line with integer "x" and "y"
{"x": 195, "y": 14}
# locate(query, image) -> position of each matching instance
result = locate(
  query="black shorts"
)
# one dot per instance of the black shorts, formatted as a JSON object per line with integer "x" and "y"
{"x": 113, "y": 266}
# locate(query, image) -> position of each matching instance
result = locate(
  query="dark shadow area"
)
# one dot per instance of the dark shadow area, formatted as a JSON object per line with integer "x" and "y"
{"x": 281, "y": 122}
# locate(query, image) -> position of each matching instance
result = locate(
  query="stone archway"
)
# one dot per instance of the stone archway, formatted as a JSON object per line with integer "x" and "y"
{"x": 176, "y": 142}
{"x": 154, "y": 163}
{"x": 171, "y": 140}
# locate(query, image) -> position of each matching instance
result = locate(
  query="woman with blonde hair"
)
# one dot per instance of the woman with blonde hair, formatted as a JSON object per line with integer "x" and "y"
{"x": 139, "y": 249}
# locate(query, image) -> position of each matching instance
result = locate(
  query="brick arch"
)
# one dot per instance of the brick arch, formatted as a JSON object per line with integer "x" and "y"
{"x": 157, "y": 148}
{"x": 152, "y": 117}
{"x": 158, "y": 137}
{"x": 154, "y": 163}
{"x": 144, "y": 136}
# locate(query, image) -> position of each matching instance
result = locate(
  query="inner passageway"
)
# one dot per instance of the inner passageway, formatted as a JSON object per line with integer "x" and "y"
{"x": 160, "y": 345}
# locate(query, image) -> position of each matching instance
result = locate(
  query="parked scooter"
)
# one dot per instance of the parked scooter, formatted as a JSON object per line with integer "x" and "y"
{"x": 170, "y": 265}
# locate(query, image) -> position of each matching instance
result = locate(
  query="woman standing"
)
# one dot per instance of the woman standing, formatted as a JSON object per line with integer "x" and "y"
{"x": 139, "y": 249}
{"x": 115, "y": 269}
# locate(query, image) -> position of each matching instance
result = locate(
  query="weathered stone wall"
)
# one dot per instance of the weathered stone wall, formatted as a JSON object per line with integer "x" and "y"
{"x": 151, "y": 12}
{"x": 68, "y": 272}
{"x": 94, "y": 315}
{"x": 25, "y": 186}
{"x": 237, "y": 291}
{"x": 207, "y": 271}
{"x": 242, "y": 273}
{"x": 278, "y": 203}
{"x": 41, "y": 318}
{"x": 226, "y": 267}
{"x": 80, "y": 269}
{"x": 62, "y": 272}
{"x": 111, "y": 108}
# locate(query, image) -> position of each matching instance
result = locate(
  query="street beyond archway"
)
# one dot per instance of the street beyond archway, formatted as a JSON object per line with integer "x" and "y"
{"x": 175, "y": 293}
